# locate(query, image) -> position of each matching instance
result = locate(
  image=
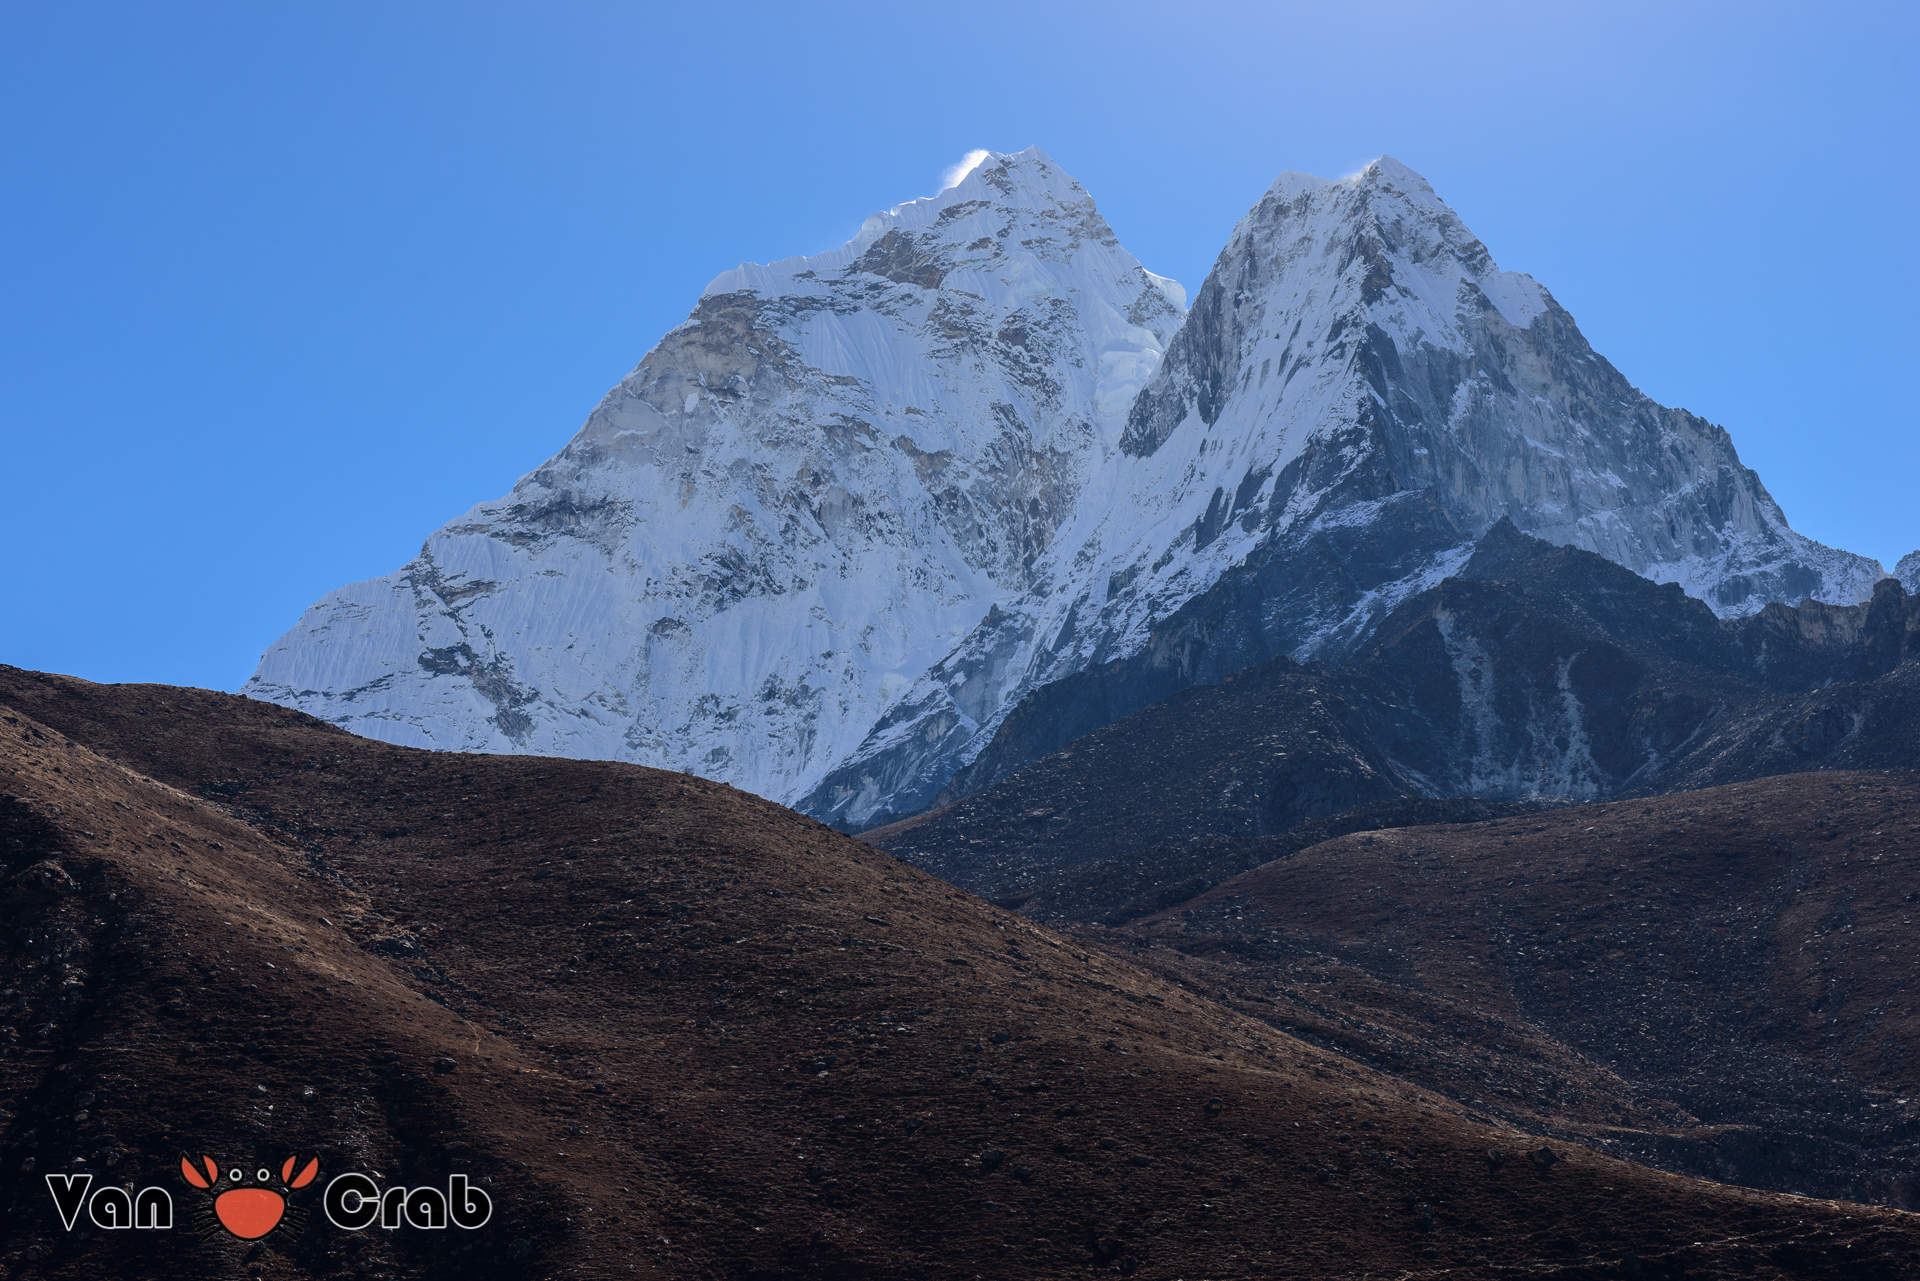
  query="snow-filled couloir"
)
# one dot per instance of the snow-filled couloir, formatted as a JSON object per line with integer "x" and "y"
{"x": 804, "y": 496}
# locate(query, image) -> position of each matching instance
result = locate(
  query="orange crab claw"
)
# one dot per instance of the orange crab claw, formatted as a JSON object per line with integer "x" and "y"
{"x": 306, "y": 1175}
{"x": 193, "y": 1175}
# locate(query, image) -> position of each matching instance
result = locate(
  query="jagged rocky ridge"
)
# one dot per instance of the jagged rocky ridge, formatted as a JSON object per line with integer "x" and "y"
{"x": 801, "y": 498}
{"x": 1538, "y": 673}
{"x": 1357, "y": 394}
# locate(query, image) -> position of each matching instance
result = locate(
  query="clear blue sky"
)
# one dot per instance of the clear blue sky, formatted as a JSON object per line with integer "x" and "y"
{"x": 285, "y": 286}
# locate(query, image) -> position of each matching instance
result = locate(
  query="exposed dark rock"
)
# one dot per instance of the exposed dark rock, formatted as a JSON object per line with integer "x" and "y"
{"x": 1537, "y": 676}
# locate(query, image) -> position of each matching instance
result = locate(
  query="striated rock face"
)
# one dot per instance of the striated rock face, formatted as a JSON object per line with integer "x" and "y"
{"x": 1908, "y": 572}
{"x": 805, "y": 495}
{"x": 1357, "y": 394}
{"x": 1544, "y": 672}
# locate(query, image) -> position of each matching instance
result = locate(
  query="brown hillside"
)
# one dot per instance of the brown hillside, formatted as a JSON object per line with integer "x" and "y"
{"x": 679, "y": 1031}
{"x": 1725, "y": 982}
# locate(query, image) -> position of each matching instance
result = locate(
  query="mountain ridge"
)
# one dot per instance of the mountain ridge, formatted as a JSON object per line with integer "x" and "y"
{"x": 1711, "y": 980}
{"x": 1537, "y": 675}
{"x": 836, "y": 527}
{"x": 677, "y": 1031}
{"x": 1352, "y": 362}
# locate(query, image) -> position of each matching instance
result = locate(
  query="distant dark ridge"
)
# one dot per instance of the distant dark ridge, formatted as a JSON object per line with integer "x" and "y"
{"x": 1214, "y": 635}
{"x": 1539, "y": 674}
{"x": 1159, "y": 877}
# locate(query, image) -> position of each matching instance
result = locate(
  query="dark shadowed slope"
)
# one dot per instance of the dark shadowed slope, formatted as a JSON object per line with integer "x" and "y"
{"x": 1248, "y": 758}
{"x": 679, "y": 1031}
{"x": 1725, "y": 982}
{"x": 1550, "y": 671}
{"x": 1539, "y": 674}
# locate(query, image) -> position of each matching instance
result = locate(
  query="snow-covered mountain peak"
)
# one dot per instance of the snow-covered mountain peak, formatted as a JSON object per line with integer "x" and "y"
{"x": 1017, "y": 236}
{"x": 802, "y": 497}
{"x": 1907, "y": 570}
{"x": 1357, "y": 393}
{"x": 1332, "y": 257}
{"x": 1381, "y": 177}
{"x": 999, "y": 195}
{"x": 836, "y": 524}
{"x": 1385, "y": 171}
{"x": 1364, "y": 311}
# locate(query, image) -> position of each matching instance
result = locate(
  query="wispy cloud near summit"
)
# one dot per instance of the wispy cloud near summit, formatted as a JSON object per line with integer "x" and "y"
{"x": 951, "y": 176}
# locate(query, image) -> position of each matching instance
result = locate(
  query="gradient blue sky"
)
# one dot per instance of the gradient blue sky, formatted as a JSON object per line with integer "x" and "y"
{"x": 283, "y": 287}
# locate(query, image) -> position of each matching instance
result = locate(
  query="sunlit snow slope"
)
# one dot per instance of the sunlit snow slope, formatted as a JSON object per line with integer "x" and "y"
{"x": 1357, "y": 394}
{"x": 802, "y": 498}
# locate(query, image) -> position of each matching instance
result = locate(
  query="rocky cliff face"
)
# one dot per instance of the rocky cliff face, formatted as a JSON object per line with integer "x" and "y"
{"x": 1536, "y": 675}
{"x": 1357, "y": 394}
{"x": 1553, "y": 673}
{"x": 800, "y": 499}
